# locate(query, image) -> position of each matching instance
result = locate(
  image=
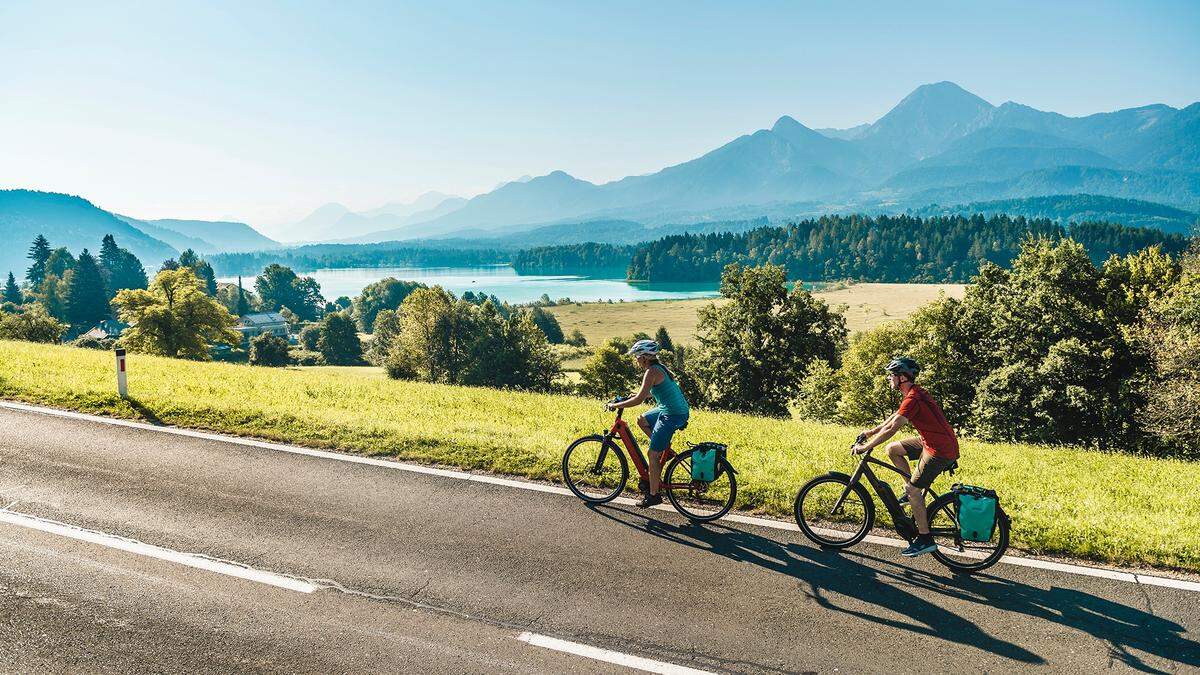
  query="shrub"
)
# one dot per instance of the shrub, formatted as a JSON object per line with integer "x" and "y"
{"x": 103, "y": 344}
{"x": 310, "y": 337}
{"x": 820, "y": 393}
{"x": 548, "y": 324}
{"x": 268, "y": 350}
{"x": 303, "y": 357}
{"x": 33, "y": 325}
{"x": 576, "y": 338}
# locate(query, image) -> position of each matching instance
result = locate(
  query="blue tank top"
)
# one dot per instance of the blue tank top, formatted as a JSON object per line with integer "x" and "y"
{"x": 669, "y": 395}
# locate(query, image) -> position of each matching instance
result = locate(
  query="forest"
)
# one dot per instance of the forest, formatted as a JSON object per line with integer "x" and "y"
{"x": 882, "y": 248}
{"x": 340, "y": 256}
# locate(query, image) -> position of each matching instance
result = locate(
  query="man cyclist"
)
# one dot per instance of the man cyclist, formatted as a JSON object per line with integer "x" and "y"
{"x": 936, "y": 448}
{"x": 660, "y": 423}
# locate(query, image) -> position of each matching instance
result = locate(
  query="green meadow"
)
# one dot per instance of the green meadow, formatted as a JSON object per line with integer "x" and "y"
{"x": 1110, "y": 508}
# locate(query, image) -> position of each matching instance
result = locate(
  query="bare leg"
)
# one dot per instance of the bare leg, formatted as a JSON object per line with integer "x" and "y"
{"x": 899, "y": 457}
{"x": 655, "y": 471}
{"x": 916, "y": 499}
{"x": 644, "y": 425}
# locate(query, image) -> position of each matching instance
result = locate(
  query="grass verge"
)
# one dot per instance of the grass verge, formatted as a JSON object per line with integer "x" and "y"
{"x": 1111, "y": 508}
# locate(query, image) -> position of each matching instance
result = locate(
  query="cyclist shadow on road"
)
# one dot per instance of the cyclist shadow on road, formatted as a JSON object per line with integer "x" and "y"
{"x": 836, "y": 580}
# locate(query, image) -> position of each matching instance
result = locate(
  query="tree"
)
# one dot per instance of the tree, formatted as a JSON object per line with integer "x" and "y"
{"x": 268, "y": 350}
{"x": 338, "y": 342}
{"x": 60, "y": 262}
{"x": 548, "y": 323}
{"x": 12, "y": 292}
{"x": 755, "y": 348}
{"x": 121, "y": 268}
{"x": 664, "y": 339}
{"x": 51, "y": 295}
{"x": 1168, "y": 333}
{"x": 174, "y": 317}
{"x": 576, "y": 338}
{"x": 820, "y": 392}
{"x": 278, "y": 287}
{"x": 609, "y": 372}
{"x": 203, "y": 270}
{"x": 243, "y": 305}
{"x": 310, "y": 337}
{"x": 39, "y": 253}
{"x": 383, "y": 294}
{"x": 387, "y": 330}
{"x": 86, "y": 298}
{"x": 33, "y": 325}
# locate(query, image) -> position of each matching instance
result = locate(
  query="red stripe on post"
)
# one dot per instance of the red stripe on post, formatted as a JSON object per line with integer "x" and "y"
{"x": 122, "y": 365}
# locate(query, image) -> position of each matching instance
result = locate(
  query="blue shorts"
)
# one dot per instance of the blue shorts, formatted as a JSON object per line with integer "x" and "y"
{"x": 663, "y": 427}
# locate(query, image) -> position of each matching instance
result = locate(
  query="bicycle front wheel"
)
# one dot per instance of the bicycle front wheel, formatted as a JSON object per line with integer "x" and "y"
{"x": 700, "y": 501}
{"x": 842, "y": 527}
{"x": 595, "y": 469}
{"x": 955, "y": 552}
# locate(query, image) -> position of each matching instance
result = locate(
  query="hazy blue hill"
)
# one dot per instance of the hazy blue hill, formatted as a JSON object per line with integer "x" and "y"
{"x": 318, "y": 225}
{"x": 225, "y": 235}
{"x": 543, "y": 199}
{"x": 1077, "y": 208}
{"x": 68, "y": 221}
{"x": 180, "y": 242}
{"x": 358, "y": 228}
{"x": 926, "y": 120}
{"x": 844, "y": 134}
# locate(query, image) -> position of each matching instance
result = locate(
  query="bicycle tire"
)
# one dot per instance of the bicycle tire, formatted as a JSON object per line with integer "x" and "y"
{"x": 618, "y": 486}
{"x": 945, "y": 503}
{"x": 814, "y": 531}
{"x": 689, "y": 511}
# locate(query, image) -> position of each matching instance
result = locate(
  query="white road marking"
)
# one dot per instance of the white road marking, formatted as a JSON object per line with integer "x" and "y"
{"x": 157, "y": 552}
{"x": 1066, "y": 568}
{"x": 608, "y": 655}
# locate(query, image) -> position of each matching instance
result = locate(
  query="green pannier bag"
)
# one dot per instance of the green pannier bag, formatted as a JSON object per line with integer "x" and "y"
{"x": 704, "y": 461}
{"x": 976, "y": 512}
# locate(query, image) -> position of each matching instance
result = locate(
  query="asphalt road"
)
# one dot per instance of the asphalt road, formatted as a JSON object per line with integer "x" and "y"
{"x": 423, "y": 573}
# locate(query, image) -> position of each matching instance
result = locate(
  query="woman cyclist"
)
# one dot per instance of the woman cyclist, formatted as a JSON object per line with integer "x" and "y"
{"x": 660, "y": 423}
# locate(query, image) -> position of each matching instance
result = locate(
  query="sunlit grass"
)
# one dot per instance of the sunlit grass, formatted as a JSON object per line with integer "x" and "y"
{"x": 1107, "y": 507}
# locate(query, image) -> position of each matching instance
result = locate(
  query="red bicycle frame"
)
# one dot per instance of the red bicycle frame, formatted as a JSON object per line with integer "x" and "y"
{"x": 620, "y": 429}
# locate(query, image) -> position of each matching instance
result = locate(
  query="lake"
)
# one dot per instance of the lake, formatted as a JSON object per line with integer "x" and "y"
{"x": 503, "y": 282}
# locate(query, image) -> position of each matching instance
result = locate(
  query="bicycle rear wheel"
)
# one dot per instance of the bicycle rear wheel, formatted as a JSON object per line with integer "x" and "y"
{"x": 952, "y": 550}
{"x": 595, "y": 469}
{"x": 819, "y": 522}
{"x": 700, "y": 501}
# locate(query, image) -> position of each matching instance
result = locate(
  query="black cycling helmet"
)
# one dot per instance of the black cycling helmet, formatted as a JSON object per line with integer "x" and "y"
{"x": 902, "y": 365}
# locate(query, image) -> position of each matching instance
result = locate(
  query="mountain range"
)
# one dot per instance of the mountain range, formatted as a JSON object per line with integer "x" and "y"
{"x": 334, "y": 222}
{"x": 940, "y": 143}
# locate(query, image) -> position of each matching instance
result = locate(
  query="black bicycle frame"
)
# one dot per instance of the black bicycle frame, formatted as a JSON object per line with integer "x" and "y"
{"x": 904, "y": 524}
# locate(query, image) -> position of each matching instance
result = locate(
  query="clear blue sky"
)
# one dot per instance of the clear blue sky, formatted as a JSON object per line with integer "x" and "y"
{"x": 262, "y": 111}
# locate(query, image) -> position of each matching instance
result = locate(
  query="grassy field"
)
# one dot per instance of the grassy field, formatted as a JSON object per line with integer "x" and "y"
{"x": 1105, "y": 507}
{"x": 865, "y": 306}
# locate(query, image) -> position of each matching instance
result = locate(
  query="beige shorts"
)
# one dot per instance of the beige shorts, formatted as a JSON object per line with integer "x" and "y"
{"x": 928, "y": 466}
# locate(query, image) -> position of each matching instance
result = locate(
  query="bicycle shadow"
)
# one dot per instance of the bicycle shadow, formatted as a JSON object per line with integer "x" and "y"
{"x": 830, "y": 576}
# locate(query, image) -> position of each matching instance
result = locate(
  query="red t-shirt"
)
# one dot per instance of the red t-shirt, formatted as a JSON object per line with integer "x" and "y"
{"x": 921, "y": 411}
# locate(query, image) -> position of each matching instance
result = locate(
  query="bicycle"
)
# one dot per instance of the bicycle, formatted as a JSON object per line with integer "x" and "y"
{"x": 834, "y": 510}
{"x": 596, "y": 470}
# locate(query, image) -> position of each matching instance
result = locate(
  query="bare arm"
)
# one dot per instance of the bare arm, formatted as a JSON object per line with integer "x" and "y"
{"x": 883, "y": 432}
{"x": 642, "y": 395}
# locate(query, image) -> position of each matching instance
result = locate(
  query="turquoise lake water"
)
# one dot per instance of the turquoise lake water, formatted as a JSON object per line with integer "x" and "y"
{"x": 503, "y": 282}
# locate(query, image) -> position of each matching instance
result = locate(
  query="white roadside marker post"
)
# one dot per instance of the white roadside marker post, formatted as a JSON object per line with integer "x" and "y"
{"x": 122, "y": 389}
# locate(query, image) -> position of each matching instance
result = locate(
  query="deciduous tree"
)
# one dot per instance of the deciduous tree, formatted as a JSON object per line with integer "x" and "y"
{"x": 174, "y": 317}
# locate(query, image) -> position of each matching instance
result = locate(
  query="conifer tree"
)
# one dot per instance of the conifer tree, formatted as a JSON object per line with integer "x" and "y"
{"x": 12, "y": 292}
{"x": 39, "y": 252}
{"x": 87, "y": 297}
{"x": 243, "y": 307}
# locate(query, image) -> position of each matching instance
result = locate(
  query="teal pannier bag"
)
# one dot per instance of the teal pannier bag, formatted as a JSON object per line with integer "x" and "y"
{"x": 704, "y": 461}
{"x": 976, "y": 512}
